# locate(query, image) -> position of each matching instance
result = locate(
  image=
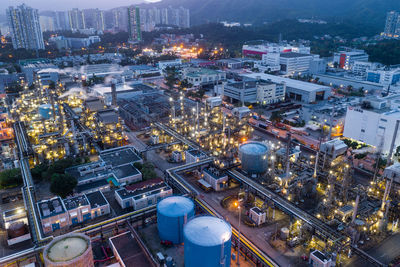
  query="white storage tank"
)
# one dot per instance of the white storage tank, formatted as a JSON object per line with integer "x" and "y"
{"x": 172, "y": 213}
{"x": 71, "y": 250}
{"x": 207, "y": 242}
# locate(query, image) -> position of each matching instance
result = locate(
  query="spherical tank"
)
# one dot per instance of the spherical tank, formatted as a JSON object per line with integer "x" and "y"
{"x": 254, "y": 157}
{"x": 207, "y": 242}
{"x": 172, "y": 213}
{"x": 71, "y": 250}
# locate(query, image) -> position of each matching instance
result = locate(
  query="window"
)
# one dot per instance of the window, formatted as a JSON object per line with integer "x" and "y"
{"x": 362, "y": 130}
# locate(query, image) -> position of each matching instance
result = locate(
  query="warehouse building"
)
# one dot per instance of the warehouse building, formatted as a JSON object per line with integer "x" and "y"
{"x": 297, "y": 90}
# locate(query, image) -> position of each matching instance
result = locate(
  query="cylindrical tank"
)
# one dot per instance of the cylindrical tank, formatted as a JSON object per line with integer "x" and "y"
{"x": 172, "y": 213}
{"x": 254, "y": 157}
{"x": 46, "y": 110}
{"x": 71, "y": 250}
{"x": 284, "y": 233}
{"x": 207, "y": 242}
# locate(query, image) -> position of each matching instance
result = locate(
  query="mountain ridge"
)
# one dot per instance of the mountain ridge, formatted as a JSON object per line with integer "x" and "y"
{"x": 368, "y": 12}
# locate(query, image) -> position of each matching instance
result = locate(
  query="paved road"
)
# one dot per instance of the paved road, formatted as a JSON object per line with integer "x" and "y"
{"x": 385, "y": 251}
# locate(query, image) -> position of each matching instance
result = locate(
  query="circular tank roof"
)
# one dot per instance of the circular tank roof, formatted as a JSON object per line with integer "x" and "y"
{"x": 67, "y": 249}
{"x": 254, "y": 148}
{"x": 45, "y": 106}
{"x": 175, "y": 206}
{"x": 207, "y": 231}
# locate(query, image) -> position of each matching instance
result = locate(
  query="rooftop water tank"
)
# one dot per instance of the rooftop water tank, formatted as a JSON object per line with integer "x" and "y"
{"x": 254, "y": 157}
{"x": 207, "y": 242}
{"x": 172, "y": 213}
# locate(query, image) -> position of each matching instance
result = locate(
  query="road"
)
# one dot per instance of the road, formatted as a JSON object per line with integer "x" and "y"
{"x": 386, "y": 251}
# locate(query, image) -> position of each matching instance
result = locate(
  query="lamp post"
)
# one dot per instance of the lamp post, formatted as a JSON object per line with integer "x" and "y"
{"x": 237, "y": 204}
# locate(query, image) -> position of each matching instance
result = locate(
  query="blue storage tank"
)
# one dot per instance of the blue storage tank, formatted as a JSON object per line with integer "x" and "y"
{"x": 207, "y": 242}
{"x": 46, "y": 111}
{"x": 254, "y": 157}
{"x": 172, "y": 213}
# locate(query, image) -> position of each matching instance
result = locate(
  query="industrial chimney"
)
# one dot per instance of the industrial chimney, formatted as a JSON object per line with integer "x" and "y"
{"x": 113, "y": 93}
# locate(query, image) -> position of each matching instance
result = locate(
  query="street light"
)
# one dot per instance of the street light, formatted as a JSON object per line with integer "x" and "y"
{"x": 237, "y": 204}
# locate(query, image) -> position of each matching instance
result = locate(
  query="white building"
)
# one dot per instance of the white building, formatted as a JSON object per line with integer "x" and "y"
{"x": 263, "y": 49}
{"x": 193, "y": 155}
{"x": 162, "y": 65}
{"x": 295, "y": 89}
{"x": 253, "y": 91}
{"x": 143, "y": 194}
{"x": 213, "y": 102}
{"x": 317, "y": 259}
{"x": 217, "y": 180}
{"x": 360, "y": 68}
{"x": 257, "y": 216}
{"x": 373, "y": 122}
{"x": 384, "y": 77}
{"x": 202, "y": 76}
{"x": 346, "y": 58}
{"x": 295, "y": 63}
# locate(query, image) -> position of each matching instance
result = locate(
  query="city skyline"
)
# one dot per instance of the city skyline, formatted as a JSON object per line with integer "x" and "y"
{"x": 44, "y": 5}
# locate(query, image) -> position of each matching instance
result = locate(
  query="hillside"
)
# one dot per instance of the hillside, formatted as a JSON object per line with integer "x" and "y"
{"x": 369, "y": 12}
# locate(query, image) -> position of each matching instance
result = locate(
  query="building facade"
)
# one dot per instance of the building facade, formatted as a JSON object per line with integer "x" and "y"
{"x": 373, "y": 122}
{"x": 345, "y": 59}
{"x": 392, "y": 26}
{"x": 76, "y": 19}
{"x": 25, "y": 29}
{"x": 143, "y": 194}
{"x": 134, "y": 25}
{"x": 384, "y": 77}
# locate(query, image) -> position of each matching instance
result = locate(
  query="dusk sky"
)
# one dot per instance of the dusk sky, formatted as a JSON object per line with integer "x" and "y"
{"x": 68, "y": 4}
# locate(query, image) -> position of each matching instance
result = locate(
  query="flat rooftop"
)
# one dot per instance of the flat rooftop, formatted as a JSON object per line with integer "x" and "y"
{"x": 195, "y": 153}
{"x": 96, "y": 199}
{"x": 75, "y": 202}
{"x": 108, "y": 116}
{"x": 147, "y": 187}
{"x": 125, "y": 171}
{"x": 257, "y": 210}
{"x": 94, "y": 170}
{"x": 215, "y": 174}
{"x": 84, "y": 187}
{"x": 199, "y": 72}
{"x": 119, "y": 156}
{"x": 13, "y": 212}
{"x": 305, "y": 86}
{"x": 293, "y": 55}
{"x": 50, "y": 207}
{"x": 319, "y": 255}
{"x": 129, "y": 250}
{"x": 248, "y": 84}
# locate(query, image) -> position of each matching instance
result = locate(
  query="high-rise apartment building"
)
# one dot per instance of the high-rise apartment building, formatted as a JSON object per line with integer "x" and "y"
{"x": 25, "y": 27}
{"x": 61, "y": 21}
{"x": 134, "y": 27}
{"x": 76, "y": 19}
{"x": 392, "y": 26}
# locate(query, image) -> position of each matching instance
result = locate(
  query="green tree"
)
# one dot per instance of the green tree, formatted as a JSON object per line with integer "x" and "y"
{"x": 148, "y": 171}
{"x": 185, "y": 84}
{"x": 39, "y": 171}
{"x": 62, "y": 184}
{"x": 10, "y": 178}
{"x": 171, "y": 76}
{"x": 276, "y": 116}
